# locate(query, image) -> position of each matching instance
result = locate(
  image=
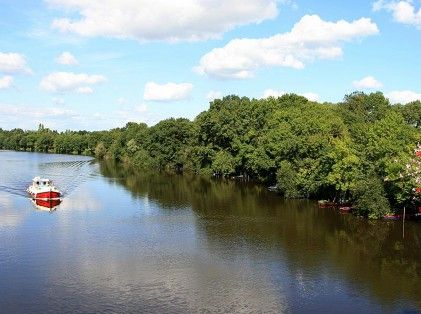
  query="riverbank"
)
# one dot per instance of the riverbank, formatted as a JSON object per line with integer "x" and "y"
{"x": 361, "y": 150}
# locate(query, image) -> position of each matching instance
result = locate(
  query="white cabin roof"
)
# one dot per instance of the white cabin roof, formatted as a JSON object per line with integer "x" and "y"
{"x": 39, "y": 179}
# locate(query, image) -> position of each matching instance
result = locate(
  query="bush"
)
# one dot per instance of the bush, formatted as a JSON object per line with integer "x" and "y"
{"x": 100, "y": 150}
{"x": 223, "y": 164}
{"x": 286, "y": 178}
{"x": 370, "y": 198}
{"x": 142, "y": 160}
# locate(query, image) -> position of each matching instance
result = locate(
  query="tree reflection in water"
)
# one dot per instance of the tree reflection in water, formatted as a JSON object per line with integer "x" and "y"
{"x": 372, "y": 255}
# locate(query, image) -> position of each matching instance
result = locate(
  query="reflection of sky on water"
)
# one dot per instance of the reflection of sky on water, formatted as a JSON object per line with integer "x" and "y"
{"x": 179, "y": 245}
{"x": 128, "y": 252}
{"x": 10, "y": 216}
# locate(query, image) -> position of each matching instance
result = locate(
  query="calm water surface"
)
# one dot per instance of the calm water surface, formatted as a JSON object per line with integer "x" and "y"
{"x": 121, "y": 242}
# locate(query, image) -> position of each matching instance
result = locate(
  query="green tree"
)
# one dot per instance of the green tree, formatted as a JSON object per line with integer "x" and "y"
{"x": 412, "y": 113}
{"x": 100, "y": 150}
{"x": 223, "y": 164}
{"x": 370, "y": 198}
{"x": 287, "y": 181}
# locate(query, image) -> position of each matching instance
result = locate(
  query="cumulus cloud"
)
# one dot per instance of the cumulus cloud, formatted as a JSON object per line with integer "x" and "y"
{"x": 61, "y": 82}
{"x": 130, "y": 114}
{"x": 310, "y": 39}
{"x": 368, "y": 82}
{"x": 34, "y": 112}
{"x": 66, "y": 58}
{"x": 138, "y": 112}
{"x": 85, "y": 90}
{"x": 58, "y": 101}
{"x": 274, "y": 93}
{"x": 147, "y": 20}
{"x": 13, "y": 63}
{"x": 28, "y": 116}
{"x": 311, "y": 96}
{"x": 122, "y": 101}
{"x": 6, "y": 82}
{"x": 167, "y": 92}
{"x": 403, "y": 11}
{"x": 403, "y": 97}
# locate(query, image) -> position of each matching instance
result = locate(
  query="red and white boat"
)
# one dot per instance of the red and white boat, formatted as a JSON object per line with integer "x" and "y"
{"x": 43, "y": 189}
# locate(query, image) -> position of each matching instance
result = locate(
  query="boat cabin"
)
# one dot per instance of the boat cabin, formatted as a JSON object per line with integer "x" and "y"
{"x": 38, "y": 182}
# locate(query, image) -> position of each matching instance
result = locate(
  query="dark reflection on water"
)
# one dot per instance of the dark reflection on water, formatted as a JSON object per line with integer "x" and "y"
{"x": 165, "y": 243}
{"x": 371, "y": 256}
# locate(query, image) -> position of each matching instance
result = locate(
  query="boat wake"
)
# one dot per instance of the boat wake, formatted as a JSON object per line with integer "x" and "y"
{"x": 66, "y": 175}
{"x": 14, "y": 190}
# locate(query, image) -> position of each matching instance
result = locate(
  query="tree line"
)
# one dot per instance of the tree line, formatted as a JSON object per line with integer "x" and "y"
{"x": 361, "y": 150}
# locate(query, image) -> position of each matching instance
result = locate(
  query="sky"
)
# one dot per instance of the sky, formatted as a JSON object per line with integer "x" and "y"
{"x": 98, "y": 64}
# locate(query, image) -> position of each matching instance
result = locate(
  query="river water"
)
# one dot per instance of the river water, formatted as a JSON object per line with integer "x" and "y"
{"x": 159, "y": 243}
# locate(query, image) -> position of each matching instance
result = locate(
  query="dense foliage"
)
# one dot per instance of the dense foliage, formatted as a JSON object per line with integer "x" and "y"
{"x": 360, "y": 150}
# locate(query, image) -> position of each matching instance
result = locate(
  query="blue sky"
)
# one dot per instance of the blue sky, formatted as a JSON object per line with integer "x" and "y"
{"x": 75, "y": 64}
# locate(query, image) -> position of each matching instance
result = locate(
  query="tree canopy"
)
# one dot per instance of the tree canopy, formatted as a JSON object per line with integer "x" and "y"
{"x": 359, "y": 150}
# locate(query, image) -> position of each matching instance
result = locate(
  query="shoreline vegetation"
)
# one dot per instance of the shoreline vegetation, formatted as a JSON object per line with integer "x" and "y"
{"x": 359, "y": 151}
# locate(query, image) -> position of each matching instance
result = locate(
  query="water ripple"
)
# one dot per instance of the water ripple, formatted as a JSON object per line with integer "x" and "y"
{"x": 67, "y": 175}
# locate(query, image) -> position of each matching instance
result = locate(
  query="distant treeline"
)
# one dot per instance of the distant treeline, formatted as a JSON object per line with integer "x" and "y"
{"x": 361, "y": 150}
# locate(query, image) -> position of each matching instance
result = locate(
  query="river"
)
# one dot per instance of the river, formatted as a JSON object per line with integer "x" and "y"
{"x": 150, "y": 242}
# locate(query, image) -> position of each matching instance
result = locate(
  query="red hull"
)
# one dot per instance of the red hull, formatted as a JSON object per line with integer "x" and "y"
{"x": 399, "y": 217}
{"x": 47, "y": 195}
{"x": 48, "y": 203}
{"x": 328, "y": 205}
{"x": 345, "y": 209}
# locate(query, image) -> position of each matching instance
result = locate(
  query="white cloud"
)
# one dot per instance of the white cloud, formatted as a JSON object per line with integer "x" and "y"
{"x": 58, "y": 101}
{"x": 28, "y": 116}
{"x": 85, "y": 90}
{"x": 131, "y": 114}
{"x": 167, "y": 92}
{"x": 13, "y": 63}
{"x": 403, "y": 11}
{"x": 292, "y": 3}
{"x": 310, "y": 39}
{"x": 147, "y": 20}
{"x": 122, "y": 101}
{"x": 274, "y": 93}
{"x": 142, "y": 108}
{"x": 368, "y": 82}
{"x": 60, "y": 82}
{"x": 403, "y": 97}
{"x": 311, "y": 96}
{"x": 66, "y": 58}
{"x": 211, "y": 95}
{"x": 117, "y": 118}
{"x": 6, "y": 82}
{"x": 34, "y": 111}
